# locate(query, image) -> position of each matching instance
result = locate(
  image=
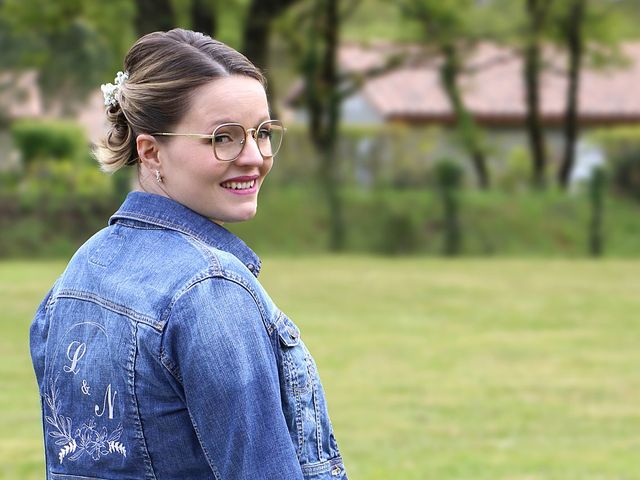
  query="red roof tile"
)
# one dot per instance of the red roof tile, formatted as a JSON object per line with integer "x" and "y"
{"x": 494, "y": 91}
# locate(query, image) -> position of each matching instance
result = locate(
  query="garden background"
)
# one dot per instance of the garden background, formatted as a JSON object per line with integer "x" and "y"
{"x": 471, "y": 303}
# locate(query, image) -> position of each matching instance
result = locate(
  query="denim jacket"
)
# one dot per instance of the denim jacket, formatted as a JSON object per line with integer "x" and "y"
{"x": 159, "y": 355}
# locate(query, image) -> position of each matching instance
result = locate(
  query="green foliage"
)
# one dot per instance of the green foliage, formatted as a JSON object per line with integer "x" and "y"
{"x": 622, "y": 150}
{"x": 59, "y": 197}
{"x": 378, "y": 20}
{"x": 597, "y": 188}
{"x": 400, "y": 228}
{"x": 517, "y": 170}
{"x": 54, "y": 221}
{"x": 448, "y": 176}
{"x": 454, "y": 21}
{"x": 75, "y": 45}
{"x": 49, "y": 139}
{"x": 230, "y": 18}
{"x": 63, "y": 177}
{"x": 51, "y": 223}
{"x": 371, "y": 156}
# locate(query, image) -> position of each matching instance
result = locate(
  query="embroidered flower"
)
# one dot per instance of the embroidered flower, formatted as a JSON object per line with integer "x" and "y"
{"x": 110, "y": 91}
{"x": 88, "y": 439}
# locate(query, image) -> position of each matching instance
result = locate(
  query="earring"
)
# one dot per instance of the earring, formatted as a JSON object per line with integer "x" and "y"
{"x": 158, "y": 176}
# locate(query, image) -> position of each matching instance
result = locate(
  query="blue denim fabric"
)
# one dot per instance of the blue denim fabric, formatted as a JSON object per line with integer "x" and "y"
{"x": 160, "y": 356}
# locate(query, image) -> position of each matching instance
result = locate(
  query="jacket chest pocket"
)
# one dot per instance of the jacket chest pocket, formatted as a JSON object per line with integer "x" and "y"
{"x": 303, "y": 401}
{"x": 298, "y": 367}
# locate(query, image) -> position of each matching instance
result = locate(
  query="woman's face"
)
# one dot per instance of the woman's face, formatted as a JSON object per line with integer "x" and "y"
{"x": 193, "y": 176}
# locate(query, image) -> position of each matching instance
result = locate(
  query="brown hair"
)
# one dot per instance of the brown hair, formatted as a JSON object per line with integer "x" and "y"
{"x": 164, "y": 69}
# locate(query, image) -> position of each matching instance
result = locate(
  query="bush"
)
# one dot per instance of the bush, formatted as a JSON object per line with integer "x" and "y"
{"x": 448, "y": 176}
{"x": 50, "y": 224}
{"x": 58, "y": 178}
{"x": 400, "y": 227}
{"x": 50, "y": 139}
{"x": 622, "y": 151}
{"x": 516, "y": 174}
{"x": 409, "y": 221}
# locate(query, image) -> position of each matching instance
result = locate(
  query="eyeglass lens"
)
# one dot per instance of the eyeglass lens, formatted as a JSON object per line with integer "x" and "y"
{"x": 228, "y": 140}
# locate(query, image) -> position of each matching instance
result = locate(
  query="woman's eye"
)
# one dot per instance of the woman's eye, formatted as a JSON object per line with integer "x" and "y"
{"x": 264, "y": 134}
{"x": 223, "y": 138}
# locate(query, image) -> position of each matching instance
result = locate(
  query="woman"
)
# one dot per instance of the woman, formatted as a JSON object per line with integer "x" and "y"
{"x": 157, "y": 352}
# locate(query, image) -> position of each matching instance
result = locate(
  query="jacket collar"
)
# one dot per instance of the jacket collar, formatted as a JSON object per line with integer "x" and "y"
{"x": 165, "y": 212}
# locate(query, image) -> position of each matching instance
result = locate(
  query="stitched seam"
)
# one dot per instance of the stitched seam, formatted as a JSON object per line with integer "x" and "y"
{"x": 232, "y": 276}
{"x": 114, "y": 307}
{"x": 165, "y": 224}
{"x": 212, "y": 466}
{"x": 316, "y": 411}
{"x": 167, "y": 363}
{"x": 322, "y": 467}
{"x": 165, "y": 359}
{"x": 124, "y": 214}
{"x": 132, "y": 385}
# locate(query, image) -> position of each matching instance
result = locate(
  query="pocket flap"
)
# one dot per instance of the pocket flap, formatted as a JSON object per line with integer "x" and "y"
{"x": 288, "y": 331}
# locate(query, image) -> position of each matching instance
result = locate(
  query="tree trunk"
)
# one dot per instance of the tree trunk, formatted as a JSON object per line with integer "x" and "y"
{"x": 322, "y": 99}
{"x": 331, "y": 190}
{"x": 153, "y": 15}
{"x": 575, "y": 45}
{"x": 532, "y": 69}
{"x": 466, "y": 126}
{"x": 203, "y": 18}
{"x": 329, "y": 82}
{"x": 256, "y": 36}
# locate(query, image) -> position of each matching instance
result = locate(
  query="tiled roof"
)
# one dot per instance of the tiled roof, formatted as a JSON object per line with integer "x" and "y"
{"x": 494, "y": 91}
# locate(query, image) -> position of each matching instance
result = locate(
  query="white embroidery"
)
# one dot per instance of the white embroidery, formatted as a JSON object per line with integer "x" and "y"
{"x": 117, "y": 447}
{"x": 87, "y": 439}
{"x": 78, "y": 353}
{"x": 85, "y": 388}
{"x": 107, "y": 399}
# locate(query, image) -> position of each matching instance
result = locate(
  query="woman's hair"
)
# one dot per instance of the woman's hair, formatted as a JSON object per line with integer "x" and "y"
{"x": 163, "y": 69}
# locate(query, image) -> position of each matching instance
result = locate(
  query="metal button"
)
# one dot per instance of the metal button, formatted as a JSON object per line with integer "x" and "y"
{"x": 251, "y": 267}
{"x": 336, "y": 471}
{"x": 293, "y": 333}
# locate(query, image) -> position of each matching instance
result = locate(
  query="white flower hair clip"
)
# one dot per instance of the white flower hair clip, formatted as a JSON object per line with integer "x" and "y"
{"x": 110, "y": 91}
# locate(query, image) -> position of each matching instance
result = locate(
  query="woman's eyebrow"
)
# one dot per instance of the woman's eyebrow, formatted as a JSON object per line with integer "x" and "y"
{"x": 220, "y": 121}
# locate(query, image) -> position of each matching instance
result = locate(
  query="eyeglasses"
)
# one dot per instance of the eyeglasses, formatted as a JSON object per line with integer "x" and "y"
{"x": 228, "y": 140}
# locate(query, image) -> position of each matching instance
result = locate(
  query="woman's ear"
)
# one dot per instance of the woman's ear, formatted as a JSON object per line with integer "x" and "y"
{"x": 147, "y": 147}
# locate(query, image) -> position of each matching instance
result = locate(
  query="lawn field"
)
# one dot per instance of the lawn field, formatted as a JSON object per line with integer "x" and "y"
{"x": 433, "y": 369}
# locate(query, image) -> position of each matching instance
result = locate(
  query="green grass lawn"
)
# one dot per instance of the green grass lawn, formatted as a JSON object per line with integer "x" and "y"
{"x": 473, "y": 369}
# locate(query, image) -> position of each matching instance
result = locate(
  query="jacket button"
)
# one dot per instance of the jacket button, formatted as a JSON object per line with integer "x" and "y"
{"x": 336, "y": 471}
{"x": 251, "y": 267}
{"x": 292, "y": 333}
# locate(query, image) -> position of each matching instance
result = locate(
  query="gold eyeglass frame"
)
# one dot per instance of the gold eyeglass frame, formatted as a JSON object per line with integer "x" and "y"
{"x": 251, "y": 131}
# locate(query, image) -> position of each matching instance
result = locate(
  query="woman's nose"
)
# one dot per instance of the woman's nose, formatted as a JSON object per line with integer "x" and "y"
{"x": 250, "y": 154}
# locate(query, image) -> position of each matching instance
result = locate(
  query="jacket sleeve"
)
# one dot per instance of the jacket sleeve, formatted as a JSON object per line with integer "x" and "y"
{"x": 38, "y": 334}
{"x": 216, "y": 344}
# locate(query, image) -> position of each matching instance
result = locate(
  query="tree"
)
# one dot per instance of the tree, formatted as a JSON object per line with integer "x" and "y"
{"x": 450, "y": 29}
{"x": 204, "y": 17}
{"x": 153, "y": 15}
{"x": 257, "y": 35}
{"x": 312, "y": 29}
{"x": 74, "y": 45}
{"x": 574, "y": 37}
{"x": 538, "y": 13}
{"x": 257, "y": 28}
{"x": 313, "y": 34}
{"x": 590, "y": 33}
